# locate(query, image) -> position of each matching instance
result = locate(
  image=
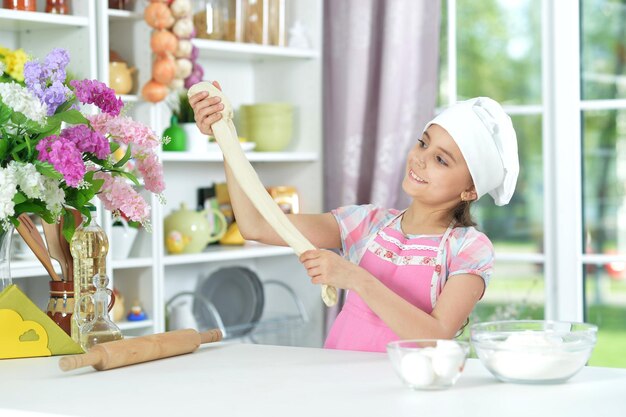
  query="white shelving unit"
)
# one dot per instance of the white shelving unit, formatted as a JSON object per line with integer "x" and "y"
{"x": 248, "y": 74}
{"x": 37, "y": 33}
{"x": 210, "y": 49}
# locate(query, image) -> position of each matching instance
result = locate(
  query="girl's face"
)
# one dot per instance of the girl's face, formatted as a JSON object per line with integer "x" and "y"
{"x": 436, "y": 172}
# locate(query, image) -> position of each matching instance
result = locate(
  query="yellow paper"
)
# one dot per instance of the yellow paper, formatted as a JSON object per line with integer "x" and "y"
{"x": 26, "y": 331}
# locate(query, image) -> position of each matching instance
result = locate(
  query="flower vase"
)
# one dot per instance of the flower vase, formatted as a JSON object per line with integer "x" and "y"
{"x": 177, "y": 135}
{"x": 61, "y": 304}
{"x": 122, "y": 239}
{"x": 5, "y": 257}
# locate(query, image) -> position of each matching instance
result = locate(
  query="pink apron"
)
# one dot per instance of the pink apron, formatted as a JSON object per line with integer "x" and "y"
{"x": 410, "y": 267}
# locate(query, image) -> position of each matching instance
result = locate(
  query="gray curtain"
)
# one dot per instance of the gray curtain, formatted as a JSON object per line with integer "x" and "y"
{"x": 381, "y": 60}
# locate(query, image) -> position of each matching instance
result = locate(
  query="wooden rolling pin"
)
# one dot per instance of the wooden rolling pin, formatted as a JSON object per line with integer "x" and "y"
{"x": 126, "y": 352}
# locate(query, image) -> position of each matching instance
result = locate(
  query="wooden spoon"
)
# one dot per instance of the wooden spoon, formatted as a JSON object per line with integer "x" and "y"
{"x": 31, "y": 236}
{"x": 53, "y": 240}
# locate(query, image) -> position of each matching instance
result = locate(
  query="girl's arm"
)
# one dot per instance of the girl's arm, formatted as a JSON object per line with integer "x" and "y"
{"x": 454, "y": 305}
{"x": 320, "y": 229}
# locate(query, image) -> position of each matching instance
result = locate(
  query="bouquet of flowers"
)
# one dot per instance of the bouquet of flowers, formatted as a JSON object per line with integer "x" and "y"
{"x": 57, "y": 144}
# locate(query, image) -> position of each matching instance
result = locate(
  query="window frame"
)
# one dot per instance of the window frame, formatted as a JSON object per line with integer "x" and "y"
{"x": 563, "y": 258}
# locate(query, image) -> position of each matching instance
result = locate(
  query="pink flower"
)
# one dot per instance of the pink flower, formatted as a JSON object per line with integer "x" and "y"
{"x": 125, "y": 130}
{"x": 152, "y": 172}
{"x": 64, "y": 157}
{"x": 117, "y": 194}
{"x": 87, "y": 140}
{"x": 95, "y": 92}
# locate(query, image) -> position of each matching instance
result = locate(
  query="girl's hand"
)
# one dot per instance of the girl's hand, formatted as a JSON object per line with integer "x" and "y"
{"x": 326, "y": 267}
{"x": 206, "y": 109}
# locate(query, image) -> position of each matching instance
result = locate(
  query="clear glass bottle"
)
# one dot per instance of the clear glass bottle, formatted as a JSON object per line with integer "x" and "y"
{"x": 100, "y": 328}
{"x": 89, "y": 247}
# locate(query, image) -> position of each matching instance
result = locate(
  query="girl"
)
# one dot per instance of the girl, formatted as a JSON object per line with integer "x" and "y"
{"x": 415, "y": 273}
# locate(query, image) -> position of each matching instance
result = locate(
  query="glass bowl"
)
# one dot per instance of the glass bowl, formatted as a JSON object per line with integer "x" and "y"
{"x": 533, "y": 351}
{"x": 428, "y": 363}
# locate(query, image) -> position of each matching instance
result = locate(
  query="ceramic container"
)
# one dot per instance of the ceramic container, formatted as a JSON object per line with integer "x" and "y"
{"x": 120, "y": 77}
{"x": 189, "y": 231}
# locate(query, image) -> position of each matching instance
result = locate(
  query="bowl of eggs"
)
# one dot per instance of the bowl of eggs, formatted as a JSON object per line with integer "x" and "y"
{"x": 533, "y": 351}
{"x": 428, "y": 364}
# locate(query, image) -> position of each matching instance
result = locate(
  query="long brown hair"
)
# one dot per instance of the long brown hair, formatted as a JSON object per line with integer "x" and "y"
{"x": 462, "y": 214}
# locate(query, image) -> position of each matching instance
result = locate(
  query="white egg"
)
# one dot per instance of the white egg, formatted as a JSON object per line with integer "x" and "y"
{"x": 417, "y": 369}
{"x": 447, "y": 360}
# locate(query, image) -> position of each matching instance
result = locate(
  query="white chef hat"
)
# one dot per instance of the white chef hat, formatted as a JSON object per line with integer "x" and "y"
{"x": 485, "y": 135}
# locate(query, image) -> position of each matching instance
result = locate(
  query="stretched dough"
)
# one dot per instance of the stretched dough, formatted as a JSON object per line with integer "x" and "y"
{"x": 226, "y": 137}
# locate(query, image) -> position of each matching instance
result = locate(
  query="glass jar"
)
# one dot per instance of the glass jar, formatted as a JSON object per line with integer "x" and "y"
{"x": 276, "y": 22}
{"x": 120, "y": 4}
{"x": 252, "y": 21}
{"x": 58, "y": 6}
{"x": 28, "y": 5}
{"x": 215, "y": 19}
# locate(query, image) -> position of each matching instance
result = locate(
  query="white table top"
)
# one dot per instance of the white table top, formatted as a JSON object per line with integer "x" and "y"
{"x": 228, "y": 379}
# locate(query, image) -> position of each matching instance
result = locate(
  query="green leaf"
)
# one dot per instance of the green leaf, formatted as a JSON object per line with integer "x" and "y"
{"x": 68, "y": 225}
{"x": 130, "y": 177}
{"x": 19, "y": 197}
{"x": 65, "y": 106}
{"x": 97, "y": 185}
{"x": 48, "y": 217}
{"x": 36, "y": 207}
{"x": 124, "y": 159}
{"x": 35, "y": 127}
{"x": 5, "y": 113}
{"x": 45, "y": 168}
{"x": 89, "y": 176}
{"x": 4, "y": 146}
{"x": 18, "y": 118}
{"x": 114, "y": 146}
{"x": 73, "y": 117}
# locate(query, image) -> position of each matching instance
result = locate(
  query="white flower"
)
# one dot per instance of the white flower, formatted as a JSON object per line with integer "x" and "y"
{"x": 28, "y": 179}
{"x": 21, "y": 100}
{"x": 2, "y": 68}
{"x": 32, "y": 184}
{"x": 53, "y": 196}
{"x": 8, "y": 188}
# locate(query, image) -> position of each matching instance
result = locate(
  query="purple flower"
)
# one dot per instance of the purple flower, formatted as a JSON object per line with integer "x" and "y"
{"x": 55, "y": 64}
{"x": 87, "y": 140}
{"x": 34, "y": 77}
{"x": 55, "y": 95}
{"x": 46, "y": 81}
{"x": 64, "y": 157}
{"x": 95, "y": 92}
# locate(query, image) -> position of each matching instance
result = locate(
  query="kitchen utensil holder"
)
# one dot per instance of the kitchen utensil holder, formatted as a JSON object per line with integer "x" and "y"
{"x": 282, "y": 324}
{"x": 265, "y": 325}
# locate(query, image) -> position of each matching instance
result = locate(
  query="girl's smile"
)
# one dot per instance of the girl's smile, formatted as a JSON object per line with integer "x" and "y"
{"x": 417, "y": 178}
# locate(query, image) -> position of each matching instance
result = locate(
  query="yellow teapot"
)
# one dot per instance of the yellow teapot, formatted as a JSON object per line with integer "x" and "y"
{"x": 120, "y": 77}
{"x": 188, "y": 231}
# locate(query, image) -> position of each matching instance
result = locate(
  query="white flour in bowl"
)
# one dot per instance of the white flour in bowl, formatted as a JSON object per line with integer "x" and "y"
{"x": 535, "y": 356}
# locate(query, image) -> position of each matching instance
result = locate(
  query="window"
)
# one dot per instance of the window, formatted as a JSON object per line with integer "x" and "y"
{"x": 561, "y": 242}
{"x": 603, "y": 121}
